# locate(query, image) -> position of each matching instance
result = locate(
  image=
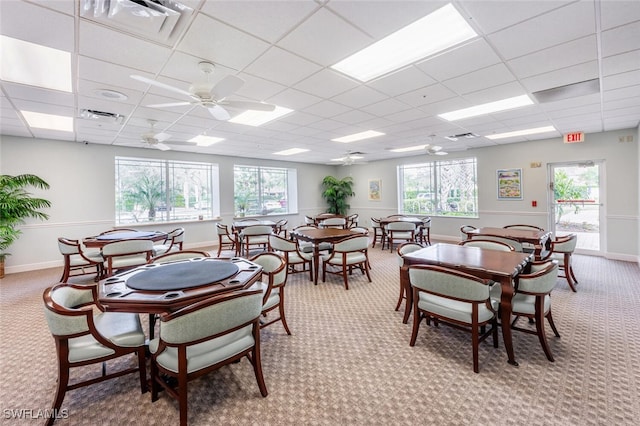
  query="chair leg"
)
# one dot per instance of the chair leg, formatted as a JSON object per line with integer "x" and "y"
{"x": 366, "y": 270}
{"x": 182, "y": 396}
{"x": 63, "y": 381}
{"x": 400, "y": 297}
{"x": 142, "y": 367}
{"x": 283, "y": 319}
{"x": 542, "y": 337}
{"x": 475, "y": 344}
{"x": 568, "y": 273}
{"x": 257, "y": 366}
{"x": 551, "y": 323}
{"x": 344, "y": 276}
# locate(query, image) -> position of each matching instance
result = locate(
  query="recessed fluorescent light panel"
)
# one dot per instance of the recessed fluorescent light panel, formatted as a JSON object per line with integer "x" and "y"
{"x": 203, "y": 140}
{"x": 409, "y": 148}
{"x": 35, "y": 65}
{"x": 488, "y": 108}
{"x": 525, "y": 132}
{"x": 258, "y": 118}
{"x": 358, "y": 136}
{"x": 291, "y": 151}
{"x": 350, "y": 157}
{"x": 48, "y": 121}
{"x": 427, "y": 36}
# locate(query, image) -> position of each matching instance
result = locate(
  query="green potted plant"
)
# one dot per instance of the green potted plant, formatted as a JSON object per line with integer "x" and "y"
{"x": 16, "y": 204}
{"x": 335, "y": 192}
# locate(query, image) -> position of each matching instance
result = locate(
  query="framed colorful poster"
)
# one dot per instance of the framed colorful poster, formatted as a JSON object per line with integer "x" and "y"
{"x": 374, "y": 189}
{"x": 510, "y": 184}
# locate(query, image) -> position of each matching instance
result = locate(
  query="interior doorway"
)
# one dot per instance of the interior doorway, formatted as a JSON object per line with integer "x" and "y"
{"x": 577, "y": 203}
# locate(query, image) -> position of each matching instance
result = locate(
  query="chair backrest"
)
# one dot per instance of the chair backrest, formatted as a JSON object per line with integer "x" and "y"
{"x": 517, "y": 245}
{"x": 281, "y": 225}
{"x": 115, "y": 231}
{"x": 487, "y": 244}
{"x": 375, "y": 222}
{"x": 524, "y": 227}
{"x": 352, "y": 243}
{"x": 309, "y": 220}
{"x": 68, "y": 246}
{"x": 281, "y": 244}
{"x": 257, "y": 230}
{"x": 68, "y": 309}
{"x": 177, "y": 236}
{"x": 401, "y": 226}
{"x": 275, "y": 268}
{"x": 541, "y": 280}
{"x": 426, "y": 222}
{"x": 565, "y": 244}
{"x": 212, "y": 317}
{"x": 449, "y": 283}
{"x": 304, "y": 228}
{"x": 360, "y": 230}
{"x": 127, "y": 247}
{"x": 334, "y": 222}
{"x": 179, "y": 255}
{"x": 222, "y": 229}
{"x": 465, "y": 229}
{"x": 407, "y": 248}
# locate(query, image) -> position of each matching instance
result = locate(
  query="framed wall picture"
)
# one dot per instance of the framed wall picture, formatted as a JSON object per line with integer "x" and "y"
{"x": 509, "y": 184}
{"x": 375, "y": 186}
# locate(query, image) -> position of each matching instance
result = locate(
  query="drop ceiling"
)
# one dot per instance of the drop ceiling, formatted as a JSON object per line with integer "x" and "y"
{"x": 284, "y": 50}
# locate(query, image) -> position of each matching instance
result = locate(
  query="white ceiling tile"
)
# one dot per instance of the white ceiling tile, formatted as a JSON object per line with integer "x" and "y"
{"x": 620, "y": 63}
{"x": 494, "y": 75}
{"x": 426, "y": 95}
{"x": 327, "y": 109}
{"x": 626, "y": 79}
{"x": 561, "y": 77}
{"x": 359, "y": 97}
{"x": 52, "y": 97}
{"x": 496, "y": 93}
{"x": 621, "y": 39}
{"x": 619, "y": 12}
{"x": 386, "y": 107}
{"x": 401, "y": 81}
{"x": 325, "y": 39}
{"x": 354, "y": 116}
{"x": 327, "y": 83}
{"x": 221, "y": 44}
{"x": 294, "y": 99}
{"x": 471, "y": 56}
{"x": 26, "y": 22}
{"x": 267, "y": 20}
{"x": 545, "y": 30}
{"x": 282, "y": 67}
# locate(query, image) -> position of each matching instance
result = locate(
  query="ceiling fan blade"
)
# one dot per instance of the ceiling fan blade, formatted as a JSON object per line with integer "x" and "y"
{"x": 161, "y": 85}
{"x": 226, "y": 86}
{"x": 161, "y": 137}
{"x": 219, "y": 113}
{"x": 255, "y": 106}
{"x": 170, "y": 104}
{"x": 162, "y": 147}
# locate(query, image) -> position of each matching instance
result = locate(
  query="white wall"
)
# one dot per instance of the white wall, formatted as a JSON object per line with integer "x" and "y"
{"x": 82, "y": 193}
{"x": 82, "y": 189}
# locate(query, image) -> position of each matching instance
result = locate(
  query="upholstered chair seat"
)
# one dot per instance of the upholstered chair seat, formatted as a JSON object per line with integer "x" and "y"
{"x": 347, "y": 254}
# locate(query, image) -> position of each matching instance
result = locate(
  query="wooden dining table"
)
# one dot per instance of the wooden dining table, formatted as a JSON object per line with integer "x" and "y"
{"x": 541, "y": 240}
{"x": 495, "y": 265}
{"x": 101, "y": 240}
{"x": 317, "y": 236}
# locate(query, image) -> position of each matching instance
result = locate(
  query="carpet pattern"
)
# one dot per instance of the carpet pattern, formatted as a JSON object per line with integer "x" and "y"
{"x": 349, "y": 362}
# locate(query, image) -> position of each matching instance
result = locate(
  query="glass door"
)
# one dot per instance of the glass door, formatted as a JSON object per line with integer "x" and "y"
{"x": 576, "y": 192}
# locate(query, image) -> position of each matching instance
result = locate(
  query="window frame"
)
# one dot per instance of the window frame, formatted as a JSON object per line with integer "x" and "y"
{"x": 290, "y": 192}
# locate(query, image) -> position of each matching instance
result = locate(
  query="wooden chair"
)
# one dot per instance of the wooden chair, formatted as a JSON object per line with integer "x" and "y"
{"x": 527, "y": 247}
{"x": 281, "y": 227}
{"x": 378, "y": 233}
{"x": 255, "y": 236}
{"x": 562, "y": 249}
{"x": 118, "y": 230}
{"x": 307, "y": 247}
{"x": 227, "y": 240}
{"x": 179, "y": 255}
{"x": 532, "y": 300}
{"x": 487, "y": 244}
{"x": 517, "y": 245}
{"x": 83, "y": 337}
{"x": 403, "y": 249}
{"x": 334, "y": 222}
{"x": 78, "y": 261}
{"x": 465, "y": 229}
{"x": 292, "y": 254}
{"x": 455, "y": 298}
{"x": 423, "y": 234}
{"x": 399, "y": 231}
{"x": 352, "y": 220}
{"x": 348, "y": 253}
{"x": 203, "y": 337}
{"x": 172, "y": 243}
{"x": 274, "y": 267}
{"x": 127, "y": 254}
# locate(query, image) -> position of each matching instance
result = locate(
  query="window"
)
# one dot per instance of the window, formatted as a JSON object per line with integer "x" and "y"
{"x": 264, "y": 190}
{"x": 162, "y": 191}
{"x": 439, "y": 188}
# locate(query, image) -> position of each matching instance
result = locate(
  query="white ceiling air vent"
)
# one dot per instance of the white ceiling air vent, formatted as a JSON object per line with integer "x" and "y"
{"x": 461, "y": 135}
{"x": 107, "y": 117}
{"x": 583, "y": 88}
{"x": 153, "y": 18}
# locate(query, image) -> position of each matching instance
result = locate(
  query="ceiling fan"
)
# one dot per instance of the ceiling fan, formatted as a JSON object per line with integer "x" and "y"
{"x": 350, "y": 158}
{"x": 434, "y": 150}
{"x": 154, "y": 139}
{"x": 208, "y": 95}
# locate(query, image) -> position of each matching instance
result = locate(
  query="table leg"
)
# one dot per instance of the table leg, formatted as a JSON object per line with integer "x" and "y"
{"x": 505, "y": 318}
{"x": 406, "y": 284}
{"x": 316, "y": 262}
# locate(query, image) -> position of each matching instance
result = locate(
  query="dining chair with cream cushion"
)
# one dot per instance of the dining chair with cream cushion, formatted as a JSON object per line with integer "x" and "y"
{"x": 402, "y": 250}
{"x": 292, "y": 254}
{"x": 423, "y": 232}
{"x": 526, "y": 247}
{"x": 126, "y": 254}
{"x": 562, "y": 249}
{"x": 353, "y": 220}
{"x": 334, "y": 222}
{"x": 347, "y": 254}
{"x": 203, "y": 337}
{"x": 179, "y": 255}
{"x": 465, "y": 231}
{"x": 487, "y": 244}
{"x": 274, "y": 268}
{"x": 532, "y": 299}
{"x": 172, "y": 243}
{"x": 255, "y": 236}
{"x": 378, "y": 233}
{"x": 456, "y": 299}
{"x": 306, "y": 246}
{"x": 399, "y": 231}
{"x": 85, "y": 335}
{"x": 517, "y": 245}
{"x": 78, "y": 261}
{"x": 227, "y": 240}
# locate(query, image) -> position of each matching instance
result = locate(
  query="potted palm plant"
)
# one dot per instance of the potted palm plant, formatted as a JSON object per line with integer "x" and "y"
{"x": 16, "y": 204}
{"x": 335, "y": 192}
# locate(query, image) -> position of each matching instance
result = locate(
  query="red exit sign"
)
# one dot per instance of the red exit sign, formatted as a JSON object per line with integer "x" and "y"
{"x": 574, "y": 137}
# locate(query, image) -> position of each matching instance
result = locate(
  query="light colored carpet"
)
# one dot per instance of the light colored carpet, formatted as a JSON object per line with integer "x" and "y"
{"x": 349, "y": 362}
